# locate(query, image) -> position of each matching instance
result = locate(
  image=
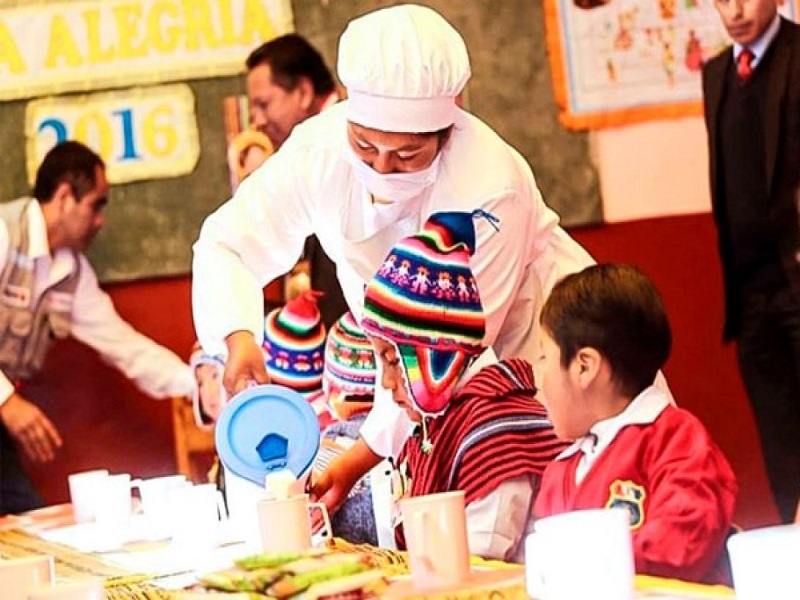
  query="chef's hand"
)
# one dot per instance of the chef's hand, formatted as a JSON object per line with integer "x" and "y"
{"x": 30, "y": 428}
{"x": 245, "y": 363}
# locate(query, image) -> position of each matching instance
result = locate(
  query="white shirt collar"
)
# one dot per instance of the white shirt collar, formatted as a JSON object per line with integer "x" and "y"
{"x": 643, "y": 409}
{"x": 54, "y": 267}
{"x": 759, "y": 47}
{"x": 38, "y": 245}
{"x": 332, "y": 99}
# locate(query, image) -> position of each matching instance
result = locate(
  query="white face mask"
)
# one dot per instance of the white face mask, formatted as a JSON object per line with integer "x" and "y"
{"x": 397, "y": 187}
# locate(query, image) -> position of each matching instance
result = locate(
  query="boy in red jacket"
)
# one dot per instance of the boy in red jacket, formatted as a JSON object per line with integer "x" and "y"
{"x": 605, "y": 336}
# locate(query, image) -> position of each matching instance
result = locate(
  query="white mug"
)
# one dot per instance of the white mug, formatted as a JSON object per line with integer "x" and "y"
{"x": 435, "y": 528}
{"x": 581, "y": 554}
{"x": 285, "y": 523}
{"x": 18, "y": 575}
{"x": 83, "y": 491}
{"x": 91, "y": 588}
{"x": 113, "y": 511}
{"x": 242, "y": 496}
{"x": 765, "y": 562}
{"x": 195, "y": 514}
{"x": 153, "y": 494}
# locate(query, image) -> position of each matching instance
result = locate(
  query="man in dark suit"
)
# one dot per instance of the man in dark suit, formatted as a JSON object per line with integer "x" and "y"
{"x": 287, "y": 82}
{"x": 752, "y": 110}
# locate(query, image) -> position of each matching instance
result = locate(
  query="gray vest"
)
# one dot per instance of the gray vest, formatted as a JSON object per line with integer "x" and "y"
{"x": 26, "y": 327}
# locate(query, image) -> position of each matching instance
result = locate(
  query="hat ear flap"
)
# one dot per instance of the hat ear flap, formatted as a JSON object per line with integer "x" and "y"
{"x": 440, "y": 367}
{"x": 431, "y": 376}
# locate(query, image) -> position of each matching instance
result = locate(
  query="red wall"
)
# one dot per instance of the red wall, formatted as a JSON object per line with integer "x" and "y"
{"x": 107, "y": 423}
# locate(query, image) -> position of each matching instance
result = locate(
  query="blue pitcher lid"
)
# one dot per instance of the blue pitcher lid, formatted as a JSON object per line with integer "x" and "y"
{"x": 266, "y": 428}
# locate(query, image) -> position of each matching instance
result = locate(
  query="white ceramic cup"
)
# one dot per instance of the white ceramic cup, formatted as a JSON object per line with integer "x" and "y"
{"x": 243, "y": 496}
{"x": 91, "y": 588}
{"x": 765, "y": 562}
{"x": 83, "y": 490}
{"x": 113, "y": 511}
{"x": 19, "y": 575}
{"x": 285, "y": 523}
{"x": 153, "y": 493}
{"x": 435, "y": 528}
{"x": 195, "y": 513}
{"x": 581, "y": 554}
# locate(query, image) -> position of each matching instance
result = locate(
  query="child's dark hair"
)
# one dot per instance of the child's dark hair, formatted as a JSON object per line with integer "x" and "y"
{"x": 616, "y": 310}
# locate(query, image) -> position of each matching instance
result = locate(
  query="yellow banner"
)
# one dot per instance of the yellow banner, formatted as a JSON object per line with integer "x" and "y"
{"x": 140, "y": 133}
{"x": 56, "y": 46}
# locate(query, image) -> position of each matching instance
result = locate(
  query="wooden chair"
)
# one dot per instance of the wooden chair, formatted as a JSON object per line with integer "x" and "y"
{"x": 194, "y": 447}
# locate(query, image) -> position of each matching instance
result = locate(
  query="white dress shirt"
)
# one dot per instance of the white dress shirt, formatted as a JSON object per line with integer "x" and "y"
{"x": 156, "y": 370}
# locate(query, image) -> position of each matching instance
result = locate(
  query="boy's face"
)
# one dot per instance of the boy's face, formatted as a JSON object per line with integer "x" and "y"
{"x": 209, "y": 384}
{"x": 559, "y": 391}
{"x": 393, "y": 378}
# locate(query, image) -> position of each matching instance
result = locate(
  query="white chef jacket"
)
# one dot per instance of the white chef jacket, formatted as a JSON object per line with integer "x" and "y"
{"x": 308, "y": 187}
{"x": 156, "y": 370}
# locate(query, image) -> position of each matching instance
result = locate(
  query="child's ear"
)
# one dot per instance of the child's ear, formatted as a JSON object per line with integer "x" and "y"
{"x": 587, "y": 363}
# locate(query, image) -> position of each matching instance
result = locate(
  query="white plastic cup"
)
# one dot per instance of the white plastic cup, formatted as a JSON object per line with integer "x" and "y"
{"x": 435, "y": 527}
{"x": 765, "y": 561}
{"x": 153, "y": 493}
{"x": 92, "y": 588}
{"x": 195, "y": 512}
{"x": 19, "y": 575}
{"x": 113, "y": 511}
{"x": 84, "y": 488}
{"x": 285, "y": 523}
{"x": 581, "y": 554}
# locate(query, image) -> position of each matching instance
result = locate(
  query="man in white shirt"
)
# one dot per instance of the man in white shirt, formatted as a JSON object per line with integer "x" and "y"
{"x": 288, "y": 82}
{"x": 48, "y": 290}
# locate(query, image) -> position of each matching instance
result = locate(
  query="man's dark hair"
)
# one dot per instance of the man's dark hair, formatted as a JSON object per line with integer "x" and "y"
{"x": 291, "y": 57}
{"x": 69, "y": 162}
{"x": 616, "y": 310}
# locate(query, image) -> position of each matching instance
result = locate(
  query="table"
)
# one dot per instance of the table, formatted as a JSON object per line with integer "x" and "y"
{"x": 142, "y": 570}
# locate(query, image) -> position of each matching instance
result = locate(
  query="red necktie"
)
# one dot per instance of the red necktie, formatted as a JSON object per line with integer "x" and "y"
{"x": 744, "y": 64}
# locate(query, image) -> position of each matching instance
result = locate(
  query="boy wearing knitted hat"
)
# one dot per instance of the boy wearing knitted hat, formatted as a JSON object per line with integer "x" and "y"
{"x": 337, "y": 376}
{"x": 480, "y": 429}
{"x": 294, "y": 346}
{"x": 348, "y": 383}
{"x": 605, "y": 334}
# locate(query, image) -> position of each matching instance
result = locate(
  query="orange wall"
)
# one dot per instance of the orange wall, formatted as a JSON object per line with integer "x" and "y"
{"x": 107, "y": 423}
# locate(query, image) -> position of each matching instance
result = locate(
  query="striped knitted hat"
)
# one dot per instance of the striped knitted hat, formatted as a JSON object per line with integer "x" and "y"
{"x": 424, "y": 294}
{"x": 349, "y": 376}
{"x": 424, "y": 299}
{"x": 294, "y": 342}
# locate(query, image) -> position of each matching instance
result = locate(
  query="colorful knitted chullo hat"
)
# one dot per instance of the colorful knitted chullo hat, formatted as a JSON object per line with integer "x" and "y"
{"x": 349, "y": 376}
{"x": 425, "y": 300}
{"x": 294, "y": 342}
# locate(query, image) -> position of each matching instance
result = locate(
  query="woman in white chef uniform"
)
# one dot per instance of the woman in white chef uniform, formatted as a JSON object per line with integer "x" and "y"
{"x": 363, "y": 174}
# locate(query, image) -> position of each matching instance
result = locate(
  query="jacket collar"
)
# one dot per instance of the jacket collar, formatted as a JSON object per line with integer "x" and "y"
{"x": 642, "y": 410}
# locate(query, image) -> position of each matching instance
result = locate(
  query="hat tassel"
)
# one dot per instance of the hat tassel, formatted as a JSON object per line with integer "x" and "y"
{"x": 492, "y": 219}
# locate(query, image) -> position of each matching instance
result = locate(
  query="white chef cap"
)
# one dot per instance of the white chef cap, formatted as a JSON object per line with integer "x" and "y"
{"x": 403, "y": 67}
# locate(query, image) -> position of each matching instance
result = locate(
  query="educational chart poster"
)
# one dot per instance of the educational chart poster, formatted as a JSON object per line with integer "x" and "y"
{"x": 616, "y": 62}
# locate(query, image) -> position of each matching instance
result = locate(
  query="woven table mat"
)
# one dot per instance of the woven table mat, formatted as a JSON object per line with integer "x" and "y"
{"x": 73, "y": 564}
